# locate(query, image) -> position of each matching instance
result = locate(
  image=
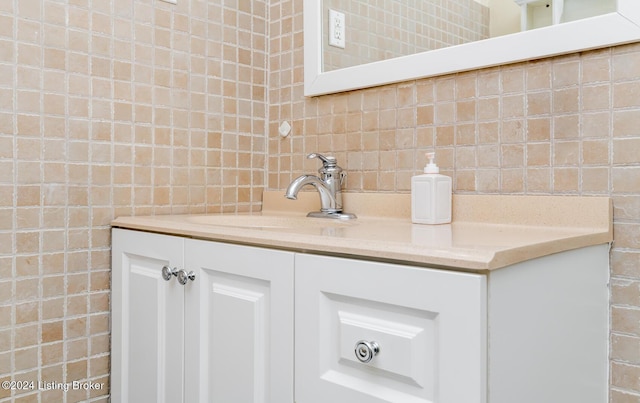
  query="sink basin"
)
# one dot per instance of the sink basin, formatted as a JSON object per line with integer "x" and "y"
{"x": 262, "y": 221}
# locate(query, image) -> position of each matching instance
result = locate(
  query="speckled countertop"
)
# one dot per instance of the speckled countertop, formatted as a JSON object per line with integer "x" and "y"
{"x": 487, "y": 232}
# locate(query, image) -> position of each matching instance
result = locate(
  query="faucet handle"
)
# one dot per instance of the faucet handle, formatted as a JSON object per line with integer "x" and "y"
{"x": 327, "y": 162}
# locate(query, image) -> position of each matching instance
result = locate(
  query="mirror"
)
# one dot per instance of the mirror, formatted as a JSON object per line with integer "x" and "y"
{"x": 481, "y": 33}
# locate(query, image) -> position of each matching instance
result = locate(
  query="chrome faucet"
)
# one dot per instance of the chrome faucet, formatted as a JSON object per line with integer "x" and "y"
{"x": 329, "y": 185}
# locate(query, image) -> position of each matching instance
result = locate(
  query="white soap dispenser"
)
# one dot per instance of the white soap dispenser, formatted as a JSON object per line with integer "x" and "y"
{"x": 431, "y": 196}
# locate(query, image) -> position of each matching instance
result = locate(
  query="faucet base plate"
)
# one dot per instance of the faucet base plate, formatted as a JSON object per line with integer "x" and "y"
{"x": 333, "y": 215}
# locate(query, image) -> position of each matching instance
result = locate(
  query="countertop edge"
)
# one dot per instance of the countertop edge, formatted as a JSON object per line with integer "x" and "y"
{"x": 473, "y": 260}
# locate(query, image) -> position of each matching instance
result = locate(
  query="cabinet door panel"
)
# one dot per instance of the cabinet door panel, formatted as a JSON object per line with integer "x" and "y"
{"x": 239, "y": 311}
{"x": 239, "y": 323}
{"x": 429, "y": 325}
{"x": 147, "y": 326}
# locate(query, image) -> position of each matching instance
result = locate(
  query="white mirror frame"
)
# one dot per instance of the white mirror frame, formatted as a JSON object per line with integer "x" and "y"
{"x": 610, "y": 29}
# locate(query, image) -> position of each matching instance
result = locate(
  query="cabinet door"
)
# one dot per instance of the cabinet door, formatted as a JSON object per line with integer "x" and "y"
{"x": 147, "y": 319}
{"x": 239, "y": 324}
{"x": 429, "y": 327}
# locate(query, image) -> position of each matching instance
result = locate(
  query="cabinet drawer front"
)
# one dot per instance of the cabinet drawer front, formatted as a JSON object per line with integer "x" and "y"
{"x": 429, "y": 328}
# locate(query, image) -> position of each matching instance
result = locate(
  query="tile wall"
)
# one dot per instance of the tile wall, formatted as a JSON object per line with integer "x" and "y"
{"x": 565, "y": 125}
{"x": 116, "y": 107}
{"x": 108, "y": 108}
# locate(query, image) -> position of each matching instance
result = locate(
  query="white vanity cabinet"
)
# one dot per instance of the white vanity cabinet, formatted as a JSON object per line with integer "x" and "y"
{"x": 365, "y": 331}
{"x": 225, "y": 336}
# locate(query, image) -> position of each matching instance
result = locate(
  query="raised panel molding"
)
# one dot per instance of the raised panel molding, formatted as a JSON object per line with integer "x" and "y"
{"x": 414, "y": 347}
{"x": 145, "y": 320}
{"x": 405, "y": 367}
{"x": 238, "y": 318}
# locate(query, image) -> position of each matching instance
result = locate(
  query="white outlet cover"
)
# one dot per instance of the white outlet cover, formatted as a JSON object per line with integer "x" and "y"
{"x": 337, "y": 29}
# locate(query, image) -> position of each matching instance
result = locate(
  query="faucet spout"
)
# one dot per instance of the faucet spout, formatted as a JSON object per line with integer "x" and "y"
{"x": 328, "y": 202}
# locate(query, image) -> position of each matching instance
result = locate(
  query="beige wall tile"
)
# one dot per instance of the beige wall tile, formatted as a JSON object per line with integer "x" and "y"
{"x": 53, "y": 308}
{"x": 625, "y": 376}
{"x": 52, "y": 331}
{"x": 26, "y": 336}
{"x": 626, "y": 151}
{"x": 5, "y": 340}
{"x": 25, "y": 358}
{"x": 52, "y": 354}
{"x": 625, "y": 179}
{"x": 27, "y": 312}
{"x": 596, "y": 180}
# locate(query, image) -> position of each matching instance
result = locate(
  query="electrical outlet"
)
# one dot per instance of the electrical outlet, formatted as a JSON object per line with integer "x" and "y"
{"x": 336, "y": 29}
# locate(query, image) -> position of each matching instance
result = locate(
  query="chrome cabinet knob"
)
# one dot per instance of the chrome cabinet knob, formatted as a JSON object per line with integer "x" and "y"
{"x": 184, "y": 277}
{"x": 168, "y": 272}
{"x": 366, "y": 350}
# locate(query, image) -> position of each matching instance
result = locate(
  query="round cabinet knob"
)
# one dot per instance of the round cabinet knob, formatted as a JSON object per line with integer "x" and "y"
{"x": 184, "y": 277}
{"x": 366, "y": 350}
{"x": 167, "y": 272}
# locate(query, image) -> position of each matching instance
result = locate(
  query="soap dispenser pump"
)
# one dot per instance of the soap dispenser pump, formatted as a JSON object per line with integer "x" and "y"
{"x": 431, "y": 195}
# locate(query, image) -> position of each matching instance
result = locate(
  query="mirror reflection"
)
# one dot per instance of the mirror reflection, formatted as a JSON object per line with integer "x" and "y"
{"x": 363, "y": 31}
